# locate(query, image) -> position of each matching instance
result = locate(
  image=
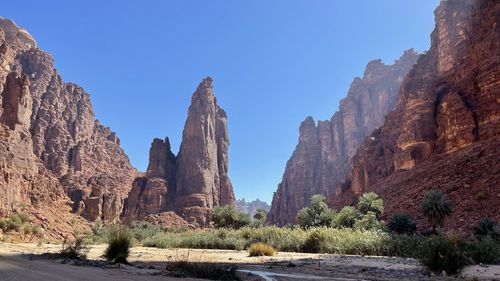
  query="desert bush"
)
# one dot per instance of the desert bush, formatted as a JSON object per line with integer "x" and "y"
{"x": 347, "y": 217}
{"x": 182, "y": 266}
{"x": 485, "y": 250}
{"x": 142, "y": 230}
{"x": 440, "y": 253}
{"x": 75, "y": 249}
{"x": 371, "y": 202}
{"x": 402, "y": 223}
{"x": 486, "y": 227}
{"x": 436, "y": 207}
{"x": 346, "y": 241}
{"x": 119, "y": 242}
{"x": 261, "y": 249}
{"x": 260, "y": 215}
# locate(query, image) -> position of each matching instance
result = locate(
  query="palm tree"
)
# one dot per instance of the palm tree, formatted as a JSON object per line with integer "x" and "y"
{"x": 371, "y": 202}
{"x": 436, "y": 207}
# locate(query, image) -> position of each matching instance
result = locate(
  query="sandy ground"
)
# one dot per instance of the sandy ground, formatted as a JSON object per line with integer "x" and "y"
{"x": 21, "y": 262}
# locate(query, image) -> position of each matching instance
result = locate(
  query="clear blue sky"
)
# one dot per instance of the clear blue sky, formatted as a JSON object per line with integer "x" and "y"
{"x": 273, "y": 64}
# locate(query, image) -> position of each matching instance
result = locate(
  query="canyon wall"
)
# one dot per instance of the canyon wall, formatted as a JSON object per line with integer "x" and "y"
{"x": 52, "y": 147}
{"x": 445, "y": 131}
{"x": 195, "y": 181}
{"x": 324, "y": 150}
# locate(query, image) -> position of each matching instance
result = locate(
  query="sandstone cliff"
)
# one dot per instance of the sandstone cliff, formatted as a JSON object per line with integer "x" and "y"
{"x": 322, "y": 155}
{"x": 195, "y": 181}
{"x": 445, "y": 130}
{"x": 51, "y": 143}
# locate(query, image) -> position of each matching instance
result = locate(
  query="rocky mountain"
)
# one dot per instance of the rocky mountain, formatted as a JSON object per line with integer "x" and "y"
{"x": 321, "y": 157}
{"x": 250, "y": 207}
{"x": 196, "y": 180}
{"x": 51, "y": 145}
{"x": 445, "y": 131}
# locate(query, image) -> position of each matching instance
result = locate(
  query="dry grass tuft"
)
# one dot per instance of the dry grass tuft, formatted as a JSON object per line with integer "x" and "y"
{"x": 261, "y": 249}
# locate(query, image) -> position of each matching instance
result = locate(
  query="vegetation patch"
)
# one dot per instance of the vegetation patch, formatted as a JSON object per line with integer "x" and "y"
{"x": 119, "y": 242}
{"x": 182, "y": 266}
{"x": 261, "y": 249}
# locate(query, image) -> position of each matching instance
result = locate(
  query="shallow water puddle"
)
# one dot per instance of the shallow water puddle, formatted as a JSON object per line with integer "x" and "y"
{"x": 268, "y": 276}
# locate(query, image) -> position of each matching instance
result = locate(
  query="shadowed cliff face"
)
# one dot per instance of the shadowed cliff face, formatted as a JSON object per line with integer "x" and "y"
{"x": 445, "y": 131}
{"x": 195, "y": 181}
{"x": 53, "y": 143}
{"x": 322, "y": 155}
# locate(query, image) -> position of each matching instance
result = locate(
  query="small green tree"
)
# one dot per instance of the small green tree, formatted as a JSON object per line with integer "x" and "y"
{"x": 371, "y": 202}
{"x": 436, "y": 207}
{"x": 402, "y": 223}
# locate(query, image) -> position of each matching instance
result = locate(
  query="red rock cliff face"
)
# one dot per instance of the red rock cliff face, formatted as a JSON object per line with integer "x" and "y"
{"x": 51, "y": 135}
{"x": 445, "y": 131}
{"x": 195, "y": 181}
{"x": 322, "y": 155}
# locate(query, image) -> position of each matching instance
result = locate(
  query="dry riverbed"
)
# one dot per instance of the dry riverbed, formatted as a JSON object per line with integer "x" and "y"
{"x": 24, "y": 262}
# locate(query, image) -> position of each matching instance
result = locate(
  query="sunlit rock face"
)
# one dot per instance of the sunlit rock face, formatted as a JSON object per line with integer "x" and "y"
{"x": 195, "y": 181}
{"x": 52, "y": 145}
{"x": 324, "y": 150}
{"x": 445, "y": 130}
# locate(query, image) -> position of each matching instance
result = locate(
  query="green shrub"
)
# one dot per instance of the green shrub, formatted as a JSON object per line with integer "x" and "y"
{"x": 316, "y": 214}
{"x": 371, "y": 202}
{"x": 229, "y": 217}
{"x": 368, "y": 221}
{"x": 119, "y": 242}
{"x": 485, "y": 250}
{"x": 402, "y": 223}
{"x": 76, "y": 249}
{"x": 347, "y": 217}
{"x": 485, "y": 227}
{"x": 142, "y": 230}
{"x": 260, "y": 215}
{"x": 3, "y": 223}
{"x": 436, "y": 207}
{"x": 13, "y": 224}
{"x": 440, "y": 253}
{"x": 261, "y": 249}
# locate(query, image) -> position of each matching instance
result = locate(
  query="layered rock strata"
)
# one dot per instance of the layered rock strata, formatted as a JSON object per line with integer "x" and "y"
{"x": 195, "y": 181}
{"x": 52, "y": 142}
{"x": 322, "y": 155}
{"x": 445, "y": 131}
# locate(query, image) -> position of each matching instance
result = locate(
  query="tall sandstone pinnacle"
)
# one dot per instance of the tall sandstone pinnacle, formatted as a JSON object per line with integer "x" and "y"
{"x": 195, "y": 181}
{"x": 202, "y": 164}
{"x": 322, "y": 155}
{"x": 51, "y": 146}
{"x": 445, "y": 131}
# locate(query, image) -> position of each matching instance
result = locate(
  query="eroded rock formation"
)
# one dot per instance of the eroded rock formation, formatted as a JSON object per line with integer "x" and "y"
{"x": 445, "y": 130}
{"x": 51, "y": 142}
{"x": 322, "y": 155}
{"x": 195, "y": 181}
